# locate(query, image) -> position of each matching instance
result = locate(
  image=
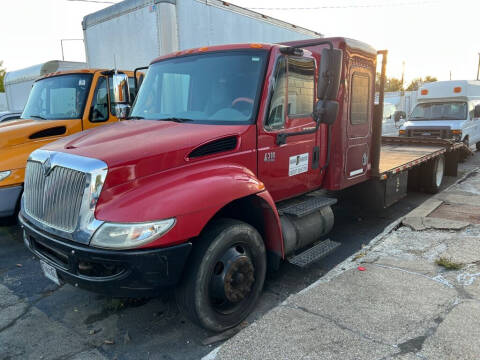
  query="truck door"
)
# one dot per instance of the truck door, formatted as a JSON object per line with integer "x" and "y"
{"x": 286, "y": 168}
{"x": 101, "y": 109}
{"x": 359, "y": 123}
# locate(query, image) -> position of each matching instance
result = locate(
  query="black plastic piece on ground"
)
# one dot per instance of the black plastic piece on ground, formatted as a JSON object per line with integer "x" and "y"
{"x": 315, "y": 253}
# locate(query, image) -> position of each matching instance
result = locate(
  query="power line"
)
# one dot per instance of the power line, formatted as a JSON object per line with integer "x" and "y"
{"x": 378, "y": 5}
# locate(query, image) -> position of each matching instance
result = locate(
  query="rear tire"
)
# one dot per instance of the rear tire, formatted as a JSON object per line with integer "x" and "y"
{"x": 225, "y": 275}
{"x": 432, "y": 174}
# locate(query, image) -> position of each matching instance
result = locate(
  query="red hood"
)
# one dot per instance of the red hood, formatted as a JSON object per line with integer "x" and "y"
{"x": 137, "y": 148}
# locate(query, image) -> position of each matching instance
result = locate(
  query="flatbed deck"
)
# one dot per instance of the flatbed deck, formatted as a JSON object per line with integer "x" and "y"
{"x": 401, "y": 153}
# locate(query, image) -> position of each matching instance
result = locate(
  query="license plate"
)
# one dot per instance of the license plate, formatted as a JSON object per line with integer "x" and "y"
{"x": 426, "y": 134}
{"x": 50, "y": 272}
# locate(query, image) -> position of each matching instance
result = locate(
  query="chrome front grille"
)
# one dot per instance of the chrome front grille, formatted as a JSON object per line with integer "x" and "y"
{"x": 54, "y": 196}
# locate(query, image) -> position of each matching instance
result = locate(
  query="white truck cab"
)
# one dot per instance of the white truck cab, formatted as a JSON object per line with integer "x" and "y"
{"x": 447, "y": 110}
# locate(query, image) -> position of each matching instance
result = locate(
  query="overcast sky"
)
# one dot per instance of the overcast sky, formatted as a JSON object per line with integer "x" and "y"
{"x": 431, "y": 36}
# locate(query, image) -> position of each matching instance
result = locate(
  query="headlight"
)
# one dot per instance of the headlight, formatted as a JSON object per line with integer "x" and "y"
{"x": 129, "y": 235}
{"x": 4, "y": 174}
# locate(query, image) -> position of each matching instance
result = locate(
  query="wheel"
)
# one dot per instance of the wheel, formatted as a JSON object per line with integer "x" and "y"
{"x": 432, "y": 174}
{"x": 477, "y": 145}
{"x": 225, "y": 275}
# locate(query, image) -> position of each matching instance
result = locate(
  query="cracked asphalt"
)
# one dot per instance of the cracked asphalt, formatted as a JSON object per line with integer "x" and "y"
{"x": 391, "y": 300}
{"x": 40, "y": 320}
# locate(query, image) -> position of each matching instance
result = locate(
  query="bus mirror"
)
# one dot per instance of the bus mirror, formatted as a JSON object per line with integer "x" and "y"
{"x": 397, "y": 115}
{"x": 326, "y": 111}
{"x": 476, "y": 111}
{"x": 329, "y": 74}
{"x": 120, "y": 89}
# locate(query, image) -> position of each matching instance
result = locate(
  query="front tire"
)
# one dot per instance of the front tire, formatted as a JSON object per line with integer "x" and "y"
{"x": 225, "y": 275}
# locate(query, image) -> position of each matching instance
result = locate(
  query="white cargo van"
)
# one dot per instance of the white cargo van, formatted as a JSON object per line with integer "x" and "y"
{"x": 447, "y": 110}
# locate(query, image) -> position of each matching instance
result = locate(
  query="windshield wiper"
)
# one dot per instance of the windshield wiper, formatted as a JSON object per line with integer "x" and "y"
{"x": 36, "y": 117}
{"x": 418, "y": 118}
{"x": 449, "y": 118}
{"x": 135, "y": 118}
{"x": 176, "y": 119}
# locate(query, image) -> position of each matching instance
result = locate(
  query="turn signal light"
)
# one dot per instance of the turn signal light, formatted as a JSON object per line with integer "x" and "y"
{"x": 457, "y": 89}
{"x": 402, "y": 132}
{"x": 457, "y": 132}
{"x": 256, "y": 46}
{"x": 424, "y": 92}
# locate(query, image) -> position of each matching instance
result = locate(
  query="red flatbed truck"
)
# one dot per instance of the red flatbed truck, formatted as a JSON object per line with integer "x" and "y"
{"x": 222, "y": 171}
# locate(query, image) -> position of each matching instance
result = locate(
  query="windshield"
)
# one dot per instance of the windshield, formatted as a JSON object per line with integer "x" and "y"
{"x": 219, "y": 87}
{"x": 58, "y": 97}
{"x": 439, "y": 111}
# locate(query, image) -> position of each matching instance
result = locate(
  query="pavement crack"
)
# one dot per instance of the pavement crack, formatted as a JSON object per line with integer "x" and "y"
{"x": 27, "y": 309}
{"x": 338, "y": 324}
{"x": 438, "y": 278}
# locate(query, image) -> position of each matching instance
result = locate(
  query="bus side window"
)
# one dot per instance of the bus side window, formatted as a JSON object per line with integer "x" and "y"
{"x": 99, "y": 109}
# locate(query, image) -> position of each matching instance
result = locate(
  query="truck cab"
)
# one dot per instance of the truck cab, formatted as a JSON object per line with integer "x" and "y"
{"x": 59, "y": 104}
{"x": 446, "y": 110}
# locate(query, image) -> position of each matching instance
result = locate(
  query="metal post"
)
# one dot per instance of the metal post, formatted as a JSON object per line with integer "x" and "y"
{"x": 378, "y": 117}
{"x": 478, "y": 67}
{"x": 61, "y": 45}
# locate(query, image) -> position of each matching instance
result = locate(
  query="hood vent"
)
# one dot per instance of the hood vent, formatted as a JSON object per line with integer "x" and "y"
{"x": 54, "y": 131}
{"x": 216, "y": 146}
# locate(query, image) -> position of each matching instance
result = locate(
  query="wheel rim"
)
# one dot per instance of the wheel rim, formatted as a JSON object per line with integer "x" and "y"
{"x": 232, "y": 279}
{"x": 439, "y": 174}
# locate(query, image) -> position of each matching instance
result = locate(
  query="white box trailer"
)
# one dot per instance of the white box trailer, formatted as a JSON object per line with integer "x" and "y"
{"x": 19, "y": 82}
{"x": 132, "y": 33}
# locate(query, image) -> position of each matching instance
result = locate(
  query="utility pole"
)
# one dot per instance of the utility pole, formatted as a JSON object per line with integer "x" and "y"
{"x": 451, "y": 75}
{"x": 402, "y": 89}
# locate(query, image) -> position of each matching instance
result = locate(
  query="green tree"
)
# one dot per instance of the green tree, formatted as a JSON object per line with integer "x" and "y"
{"x": 417, "y": 82}
{"x": 391, "y": 84}
{"x": 2, "y": 76}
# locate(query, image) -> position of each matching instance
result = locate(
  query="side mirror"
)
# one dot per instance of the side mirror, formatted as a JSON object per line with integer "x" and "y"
{"x": 329, "y": 74}
{"x": 121, "y": 95}
{"x": 476, "y": 111}
{"x": 397, "y": 115}
{"x": 326, "y": 111}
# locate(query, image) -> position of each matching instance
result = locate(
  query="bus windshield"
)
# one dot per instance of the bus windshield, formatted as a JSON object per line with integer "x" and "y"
{"x": 58, "y": 97}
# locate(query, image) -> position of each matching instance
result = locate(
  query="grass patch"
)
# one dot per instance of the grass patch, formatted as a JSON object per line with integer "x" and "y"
{"x": 448, "y": 264}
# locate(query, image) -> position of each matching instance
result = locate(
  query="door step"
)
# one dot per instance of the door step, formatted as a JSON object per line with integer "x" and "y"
{"x": 306, "y": 207}
{"x": 314, "y": 253}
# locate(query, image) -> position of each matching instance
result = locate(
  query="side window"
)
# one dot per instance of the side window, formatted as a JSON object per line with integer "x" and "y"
{"x": 359, "y": 109}
{"x": 99, "y": 109}
{"x": 276, "y": 111}
{"x": 131, "y": 89}
{"x": 301, "y": 72}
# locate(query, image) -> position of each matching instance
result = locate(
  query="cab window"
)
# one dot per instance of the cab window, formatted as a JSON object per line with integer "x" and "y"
{"x": 293, "y": 91}
{"x": 99, "y": 109}
{"x": 301, "y": 73}
{"x": 359, "y": 108}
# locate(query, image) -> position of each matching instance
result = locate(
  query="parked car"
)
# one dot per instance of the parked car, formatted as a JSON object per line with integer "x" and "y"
{"x": 8, "y": 115}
